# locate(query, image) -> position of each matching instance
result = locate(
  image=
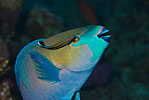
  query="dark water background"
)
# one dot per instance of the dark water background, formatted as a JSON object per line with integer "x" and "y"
{"x": 123, "y": 72}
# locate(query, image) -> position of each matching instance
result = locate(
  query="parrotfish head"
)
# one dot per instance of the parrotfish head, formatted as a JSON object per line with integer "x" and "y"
{"x": 78, "y": 49}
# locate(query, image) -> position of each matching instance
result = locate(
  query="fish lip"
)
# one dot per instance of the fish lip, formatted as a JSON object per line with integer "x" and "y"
{"x": 106, "y": 38}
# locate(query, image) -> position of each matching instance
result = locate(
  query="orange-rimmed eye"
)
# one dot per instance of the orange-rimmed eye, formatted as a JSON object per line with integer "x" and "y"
{"x": 76, "y": 40}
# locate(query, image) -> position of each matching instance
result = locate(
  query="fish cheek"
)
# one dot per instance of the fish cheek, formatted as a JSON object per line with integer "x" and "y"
{"x": 70, "y": 57}
{"x": 80, "y": 56}
{"x": 83, "y": 54}
{"x": 61, "y": 56}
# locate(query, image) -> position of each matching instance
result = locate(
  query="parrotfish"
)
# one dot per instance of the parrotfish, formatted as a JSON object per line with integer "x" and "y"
{"x": 57, "y": 67}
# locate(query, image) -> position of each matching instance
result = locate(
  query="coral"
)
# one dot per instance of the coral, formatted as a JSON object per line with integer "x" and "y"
{"x": 4, "y": 57}
{"x": 5, "y": 90}
{"x": 10, "y": 8}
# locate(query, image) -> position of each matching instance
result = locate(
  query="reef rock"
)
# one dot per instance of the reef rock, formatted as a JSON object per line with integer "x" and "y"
{"x": 9, "y": 11}
{"x": 42, "y": 23}
{"x": 4, "y": 57}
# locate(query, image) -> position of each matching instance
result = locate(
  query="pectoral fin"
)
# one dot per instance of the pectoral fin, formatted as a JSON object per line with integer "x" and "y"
{"x": 77, "y": 96}
{"x": 68, "y": 96}
{"x": 71, "y": 96}
{"x": 45, "y": 69}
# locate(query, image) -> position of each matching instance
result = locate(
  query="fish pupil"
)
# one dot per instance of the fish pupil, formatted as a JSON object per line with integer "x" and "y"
{"x": 76, "y": 40}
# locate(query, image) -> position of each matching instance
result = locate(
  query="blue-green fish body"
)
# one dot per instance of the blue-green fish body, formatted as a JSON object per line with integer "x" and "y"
{"x": 57, "y": 67}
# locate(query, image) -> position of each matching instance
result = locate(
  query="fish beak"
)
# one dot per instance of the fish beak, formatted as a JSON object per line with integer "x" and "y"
{"x": 104, "y": 30}
{"x": 105, "y": 34}
{"x": 106, "y": 38}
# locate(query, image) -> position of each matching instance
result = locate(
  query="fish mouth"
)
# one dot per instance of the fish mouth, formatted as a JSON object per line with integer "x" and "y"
{"x": 105, "y": 35}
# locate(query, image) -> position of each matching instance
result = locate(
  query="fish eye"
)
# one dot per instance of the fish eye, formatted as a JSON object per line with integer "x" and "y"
{"x": 75, "y": 40}
{"x": 41, "y": 43}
